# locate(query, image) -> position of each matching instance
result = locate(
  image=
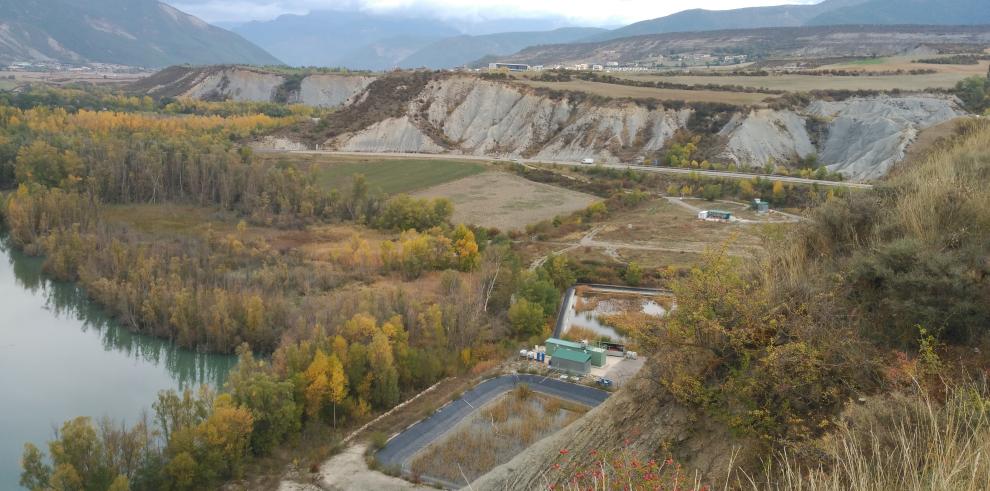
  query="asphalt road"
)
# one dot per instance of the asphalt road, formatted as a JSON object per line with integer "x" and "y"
{"x": 641, "y": 168}
{"x": 400, "y": 449}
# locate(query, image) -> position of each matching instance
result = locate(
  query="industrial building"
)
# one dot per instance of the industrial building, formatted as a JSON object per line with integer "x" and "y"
{"x": 553, "y": 344}
{"x": 512, "y": 67}
{"x": 574, "y": 357}
{"x": 715, "y": 215}
{"x": 576, "y": 362}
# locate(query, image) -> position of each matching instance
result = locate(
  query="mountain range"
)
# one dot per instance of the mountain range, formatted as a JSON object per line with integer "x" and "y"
{"x": 145, "y": 33}
{"x": 826, "y": 13}
{"x": 151, "y": 33}
{"x": 364, "y": 40}
{"x": 774, "y": 43}
{"x": 373, "y": 41}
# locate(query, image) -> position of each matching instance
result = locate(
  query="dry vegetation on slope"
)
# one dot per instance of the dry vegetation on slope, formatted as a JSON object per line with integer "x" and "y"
{"x": 880, "y": 297}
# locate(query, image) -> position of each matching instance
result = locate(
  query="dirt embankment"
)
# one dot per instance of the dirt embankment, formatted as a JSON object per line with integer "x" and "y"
{"x": 637, "y": 419}
{"x": 246, "y": 84}
{"x": 860, "y": 137}
{"x": 422, "y": 112}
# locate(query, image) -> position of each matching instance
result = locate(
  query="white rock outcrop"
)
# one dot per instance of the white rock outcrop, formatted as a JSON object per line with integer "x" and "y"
{"x": 329, "y": 90}
{"x": 859, "y": 137}
{"x": 237, "y": 85}
{"x": 488, "y": 118}
{"x": 867, "y": 136}
{"x": 252, "y": 85}
{"x": 391, "y": 135}
{"x": 766, "y": 136}
{"x": 280, "y": 144}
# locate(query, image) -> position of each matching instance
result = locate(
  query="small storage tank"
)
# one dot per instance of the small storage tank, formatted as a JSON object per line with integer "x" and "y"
{"x": 597, "y": 356}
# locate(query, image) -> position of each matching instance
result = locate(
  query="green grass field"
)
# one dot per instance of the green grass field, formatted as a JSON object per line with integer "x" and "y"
{"x": 869, "y": 61}
{"x": 394, "y": 176}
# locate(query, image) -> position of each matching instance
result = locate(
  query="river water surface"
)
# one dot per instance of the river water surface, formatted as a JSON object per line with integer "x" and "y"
{"x": 61, "y": 357}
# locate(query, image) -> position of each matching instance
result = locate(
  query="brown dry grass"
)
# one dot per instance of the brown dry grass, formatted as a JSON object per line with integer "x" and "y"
{"x": 578, "y": 333}
{"x": 495, "y": 434}
{"x": 629, "y": 323}
{"x": 506, "y": 201}
{"x": 947, "y": 76}
{"x": 585, "y": 304}
{"x": 626, "y": 91}
{"x": 903, "y": 443}
{"x": 675, "y": 230}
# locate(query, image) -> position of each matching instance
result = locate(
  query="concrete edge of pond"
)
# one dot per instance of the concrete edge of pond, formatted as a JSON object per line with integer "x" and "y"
{"x": 400, "y": 449}
{"x": 568, "y": 299}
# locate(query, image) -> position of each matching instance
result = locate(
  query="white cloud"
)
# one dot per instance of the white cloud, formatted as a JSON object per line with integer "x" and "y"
{"x": 590, "y": 12}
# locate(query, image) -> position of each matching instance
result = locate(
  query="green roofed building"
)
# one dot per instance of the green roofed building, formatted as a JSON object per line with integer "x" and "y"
{"x": 597, "y": 356}
{"x": 577, "y": 362}
{"x": 553, "y": 344}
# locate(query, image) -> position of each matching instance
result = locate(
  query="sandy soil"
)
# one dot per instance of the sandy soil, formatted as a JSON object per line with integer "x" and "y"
{"x": 619, "y": 370}
{"x": 506, "y": 201}
{"x": 348, "y": 470}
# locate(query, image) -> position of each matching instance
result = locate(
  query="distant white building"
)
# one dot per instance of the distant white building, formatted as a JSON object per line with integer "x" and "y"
{"x": 512, "y": 67}
{"x": 597, "y": 68}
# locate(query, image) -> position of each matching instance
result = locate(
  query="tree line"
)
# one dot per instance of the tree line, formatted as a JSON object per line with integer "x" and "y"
{"x": 337, "y": 355}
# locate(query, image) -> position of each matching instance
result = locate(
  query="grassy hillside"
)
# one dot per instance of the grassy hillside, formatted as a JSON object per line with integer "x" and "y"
{"x": 946, "y": 12}
{"x": 128, "y": 32}
{"x": 713, "y": 20}
{"x": 844, "y": 352}
{"x": 773, "y": 43}
{"x": 462, "y": 50}
{"x": 391, "y": 176}
{"x": 828, "y": 12}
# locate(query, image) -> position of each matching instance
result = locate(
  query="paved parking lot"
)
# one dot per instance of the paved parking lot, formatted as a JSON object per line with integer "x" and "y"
{"x": 401, "y": 448}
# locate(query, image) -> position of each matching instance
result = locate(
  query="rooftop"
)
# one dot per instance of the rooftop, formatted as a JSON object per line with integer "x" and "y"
{"x": 566, "y": 344}
{"x": 578, "y": 356}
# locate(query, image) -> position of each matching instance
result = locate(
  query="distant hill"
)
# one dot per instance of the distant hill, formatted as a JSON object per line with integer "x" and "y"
{"x": 356, "y": 40}
{"x": 945, "y": 12}
{"x": 462, "y": 50}
{"x": 714, "y": 20}
{"x": 773, "y": 43}
{"x": 826, "y": 13}
{"x": 127, "y": 32}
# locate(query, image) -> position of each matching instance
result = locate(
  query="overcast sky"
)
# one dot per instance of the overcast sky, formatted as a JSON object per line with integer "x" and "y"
{"x": 586, "y": 12}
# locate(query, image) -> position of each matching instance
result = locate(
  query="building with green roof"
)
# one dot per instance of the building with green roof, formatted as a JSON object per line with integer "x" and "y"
{"x": 553, "y": 344}
{"x": 570, "y": 361}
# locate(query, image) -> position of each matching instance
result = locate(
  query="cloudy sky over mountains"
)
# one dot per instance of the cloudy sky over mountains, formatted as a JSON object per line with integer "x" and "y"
{"x": 585, "y": 12}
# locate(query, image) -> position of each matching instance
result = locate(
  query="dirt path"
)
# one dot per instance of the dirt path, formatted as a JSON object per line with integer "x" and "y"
{"x": 348, "y": 470}
{"x": 612, "y": 248}
{"x": 789, "y": 218}
{"x": 585, "y": 241}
